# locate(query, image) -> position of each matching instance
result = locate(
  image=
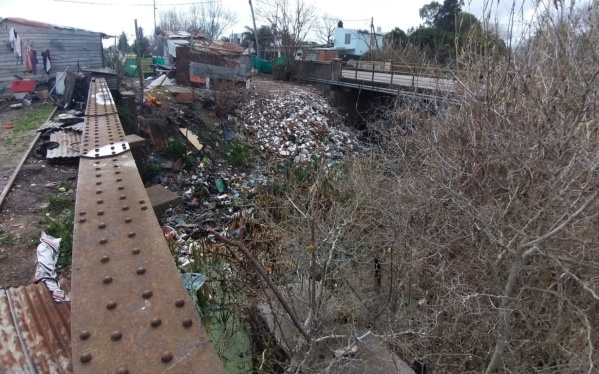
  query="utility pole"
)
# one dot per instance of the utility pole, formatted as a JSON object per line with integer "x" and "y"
{"x": 255, "y": 30}
{"x": 155, "y": 35}
{"x": 141, "y": 74}
{"x": 373, "y": 33}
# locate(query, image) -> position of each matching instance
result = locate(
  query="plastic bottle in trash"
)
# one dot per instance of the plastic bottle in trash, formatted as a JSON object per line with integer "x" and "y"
{"x": 220, "y": 185}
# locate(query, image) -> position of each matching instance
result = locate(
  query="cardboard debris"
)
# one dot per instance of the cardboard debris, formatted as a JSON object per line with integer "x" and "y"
{"x": 191, "y": 138}
{"x": 183, "y": 94}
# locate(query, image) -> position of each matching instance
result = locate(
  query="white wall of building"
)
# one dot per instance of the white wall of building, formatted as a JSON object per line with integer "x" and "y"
{"x": 359, "y": 42}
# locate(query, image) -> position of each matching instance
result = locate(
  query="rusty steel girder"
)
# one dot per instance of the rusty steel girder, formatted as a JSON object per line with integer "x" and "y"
{"x": 130, "y": 311}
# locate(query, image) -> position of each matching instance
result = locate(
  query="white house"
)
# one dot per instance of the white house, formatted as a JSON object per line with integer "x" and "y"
{"x": 357, "y": 42}
{"x": 236, "y": 37}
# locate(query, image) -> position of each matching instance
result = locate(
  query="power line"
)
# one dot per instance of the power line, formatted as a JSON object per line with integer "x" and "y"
{"x": 347, "y": 20}
{"x": 157, "y": 5}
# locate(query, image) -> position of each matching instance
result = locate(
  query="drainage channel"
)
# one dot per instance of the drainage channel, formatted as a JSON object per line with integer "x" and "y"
{"x": 130, "y": 311}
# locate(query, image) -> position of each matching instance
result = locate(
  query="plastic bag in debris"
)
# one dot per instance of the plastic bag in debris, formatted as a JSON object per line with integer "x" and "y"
{"x": 47, "y": 254}
{"x": 228, "y": 132}
{"x": 193, "y": 281}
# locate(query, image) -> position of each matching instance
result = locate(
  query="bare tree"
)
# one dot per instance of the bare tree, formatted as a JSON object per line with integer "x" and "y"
{"x": 325, "y": 29}
{"x": 467, "y": 239}
{"x": 210, "y": 18}
{"x": 293, "y": 21}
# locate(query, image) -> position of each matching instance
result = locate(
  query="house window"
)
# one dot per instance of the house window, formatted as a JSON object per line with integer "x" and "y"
{"x": 347, "y": 38}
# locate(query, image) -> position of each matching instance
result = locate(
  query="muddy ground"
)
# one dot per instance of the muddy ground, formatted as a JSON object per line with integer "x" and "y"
{"x": 23, "y": 217}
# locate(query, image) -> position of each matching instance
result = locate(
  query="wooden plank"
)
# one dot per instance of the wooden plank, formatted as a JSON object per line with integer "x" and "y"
{"x": 13, "y": 177}
{"x": 191, "y": 138}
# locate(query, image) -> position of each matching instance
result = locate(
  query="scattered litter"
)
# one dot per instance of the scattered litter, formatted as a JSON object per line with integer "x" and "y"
{"x": 8, "y": 127}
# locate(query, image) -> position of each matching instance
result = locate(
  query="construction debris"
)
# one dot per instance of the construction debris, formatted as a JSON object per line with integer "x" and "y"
{"x": 191, "y": 138}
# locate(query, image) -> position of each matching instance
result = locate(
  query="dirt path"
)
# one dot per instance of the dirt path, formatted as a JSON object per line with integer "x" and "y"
{"x": 24, "y": 215}
{"x": 17, "y": 131}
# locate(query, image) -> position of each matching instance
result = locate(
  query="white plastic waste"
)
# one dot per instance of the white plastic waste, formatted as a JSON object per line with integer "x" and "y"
{"x": 47, "y": 254}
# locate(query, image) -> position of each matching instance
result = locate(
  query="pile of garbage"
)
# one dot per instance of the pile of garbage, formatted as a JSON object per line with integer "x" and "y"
{"x": 296, "y": 124}
{"x": 214, "y": 196}
{"x": 286, "y": 125}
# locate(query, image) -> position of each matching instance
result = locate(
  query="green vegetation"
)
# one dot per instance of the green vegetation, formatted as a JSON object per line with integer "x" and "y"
{"x": 178, "y": 151}
{"x": 5, "y": 237}
{"x": 59, "y": 220}
{"x": 32, "y": 118}
{"x": 59, "y": 203}
{"x": 239, "y": 154}
{"x": 127, "y": 119}
{"x": 217, "y": 291}
{"x": 175, "y": 150}
{"x": 151, "y": 171}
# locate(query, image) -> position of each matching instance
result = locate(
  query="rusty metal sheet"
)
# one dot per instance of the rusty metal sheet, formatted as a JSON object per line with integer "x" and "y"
{"x": 130, "y": 310}
{"x": 35, "y": 331}
{"x": 68, "y": 144}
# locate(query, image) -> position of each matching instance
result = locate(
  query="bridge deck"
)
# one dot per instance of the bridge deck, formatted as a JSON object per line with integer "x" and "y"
{"x": 399, "y": 79}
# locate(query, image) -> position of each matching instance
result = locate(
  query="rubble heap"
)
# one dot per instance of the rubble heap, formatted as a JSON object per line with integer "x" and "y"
{"x": 295, "y": 123}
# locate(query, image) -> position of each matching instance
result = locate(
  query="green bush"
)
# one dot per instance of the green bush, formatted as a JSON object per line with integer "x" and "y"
{"x": 240, "y": 154}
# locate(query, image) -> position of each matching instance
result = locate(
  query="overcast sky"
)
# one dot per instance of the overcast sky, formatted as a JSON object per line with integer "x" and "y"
{"x": 114, "y": 16}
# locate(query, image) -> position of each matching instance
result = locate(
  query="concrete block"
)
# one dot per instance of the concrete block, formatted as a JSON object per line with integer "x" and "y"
{"x": 162, "y": 199}
{"x": 135, "y": 141}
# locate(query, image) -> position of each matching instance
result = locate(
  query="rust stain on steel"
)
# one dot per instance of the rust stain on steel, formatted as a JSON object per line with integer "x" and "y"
{"x": 102, "y": 126}
{"x": 35, "y": 331}
{"x": 116, "y": 307}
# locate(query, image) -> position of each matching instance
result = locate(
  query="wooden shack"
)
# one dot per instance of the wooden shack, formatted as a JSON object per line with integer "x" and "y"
{"x": 68, "y": 48}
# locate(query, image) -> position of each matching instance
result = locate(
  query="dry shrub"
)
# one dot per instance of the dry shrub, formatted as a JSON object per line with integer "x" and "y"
{"x": 228, "y": 95}
{"x": 481, "y": 218}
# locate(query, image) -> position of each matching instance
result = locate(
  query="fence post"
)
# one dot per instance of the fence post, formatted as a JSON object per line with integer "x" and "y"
{"x": 372, "y": 72}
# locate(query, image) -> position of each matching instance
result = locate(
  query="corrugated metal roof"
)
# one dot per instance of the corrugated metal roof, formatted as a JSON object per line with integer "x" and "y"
{"x": 201, "y": 42}
{"x": 49, "y": 125}
{"x": 69, "y": 142}
{"x": 55, "y": 126}
{"x": 26, "y": 22}
{"x": 35, "y": 331}
{"x": 23, "y": 21}
{"x": 217, "y": 46}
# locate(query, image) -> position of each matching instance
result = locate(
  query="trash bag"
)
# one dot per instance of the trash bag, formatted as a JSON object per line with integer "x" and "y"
{"x": 42, "y": 149}
{"x": 81, "y": 88}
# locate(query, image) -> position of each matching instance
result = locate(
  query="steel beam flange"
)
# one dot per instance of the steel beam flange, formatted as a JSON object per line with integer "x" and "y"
{"x": 129, "y": 312}
{"x": 112, "y": 149}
